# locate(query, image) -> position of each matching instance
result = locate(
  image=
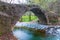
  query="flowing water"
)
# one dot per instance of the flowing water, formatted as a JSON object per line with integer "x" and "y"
{"x": 24, "y": 34}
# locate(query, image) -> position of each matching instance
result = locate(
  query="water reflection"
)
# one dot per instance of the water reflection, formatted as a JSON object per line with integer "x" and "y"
{"x": 22, "y": 34}
{"x": 33, "y": 31}
{"x": 28, "y": 35}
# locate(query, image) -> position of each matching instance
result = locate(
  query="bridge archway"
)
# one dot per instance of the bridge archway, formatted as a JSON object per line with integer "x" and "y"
{"x": 10, "y": 14}
{"x": 40, "y": 14}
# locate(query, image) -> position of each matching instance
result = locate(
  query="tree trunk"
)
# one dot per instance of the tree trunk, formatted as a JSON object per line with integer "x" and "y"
{"x": 30, "y": 16}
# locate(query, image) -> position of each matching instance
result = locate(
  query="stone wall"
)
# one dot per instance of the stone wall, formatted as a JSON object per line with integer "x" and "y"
{"x": 54, "y": 12}
{"x": 11, "y": 13}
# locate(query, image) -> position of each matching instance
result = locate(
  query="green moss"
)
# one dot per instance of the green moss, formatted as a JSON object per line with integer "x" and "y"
{"x": 2, "y": 8}
{"x": 54, "y": 21}
{"x": 0, "y": 33}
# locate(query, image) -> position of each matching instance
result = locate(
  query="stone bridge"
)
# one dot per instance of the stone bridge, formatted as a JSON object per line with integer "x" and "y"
{"x": 11, "y": 13}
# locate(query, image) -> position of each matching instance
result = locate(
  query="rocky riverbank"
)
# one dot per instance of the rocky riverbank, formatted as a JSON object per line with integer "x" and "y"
{"x": 7, "y": 36}
{"x": 48, "y": 29}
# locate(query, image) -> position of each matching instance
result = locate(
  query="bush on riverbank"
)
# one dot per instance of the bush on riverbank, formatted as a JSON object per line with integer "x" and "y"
{"x": 26, "y": 18}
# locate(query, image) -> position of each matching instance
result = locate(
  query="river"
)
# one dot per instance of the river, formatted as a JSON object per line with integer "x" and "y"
{"x": 24, "y": 34}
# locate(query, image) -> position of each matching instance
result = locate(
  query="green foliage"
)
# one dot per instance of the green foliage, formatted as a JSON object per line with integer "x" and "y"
{"x": 0, "y": 33}
{"x": 54, "y": 21}
{"x": 26, "y": 18}
{"x": 42, "y": 3}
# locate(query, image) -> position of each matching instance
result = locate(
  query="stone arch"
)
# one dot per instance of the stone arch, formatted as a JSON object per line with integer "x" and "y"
{"x": 40, "y": 14}
{"x": 10, "y": 14}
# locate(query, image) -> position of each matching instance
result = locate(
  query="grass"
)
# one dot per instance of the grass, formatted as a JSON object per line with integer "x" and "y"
{"x": 26, "y": 18}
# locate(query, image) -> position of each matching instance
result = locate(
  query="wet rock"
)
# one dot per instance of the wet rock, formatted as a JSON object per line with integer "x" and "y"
{"x": 53, "y": 31}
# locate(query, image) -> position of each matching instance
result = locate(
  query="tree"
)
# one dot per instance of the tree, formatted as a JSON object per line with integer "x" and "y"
{"x": 29, "y": 16}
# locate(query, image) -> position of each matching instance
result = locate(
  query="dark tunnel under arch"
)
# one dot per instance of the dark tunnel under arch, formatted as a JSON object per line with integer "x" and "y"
{"x": 41, "y": 15}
